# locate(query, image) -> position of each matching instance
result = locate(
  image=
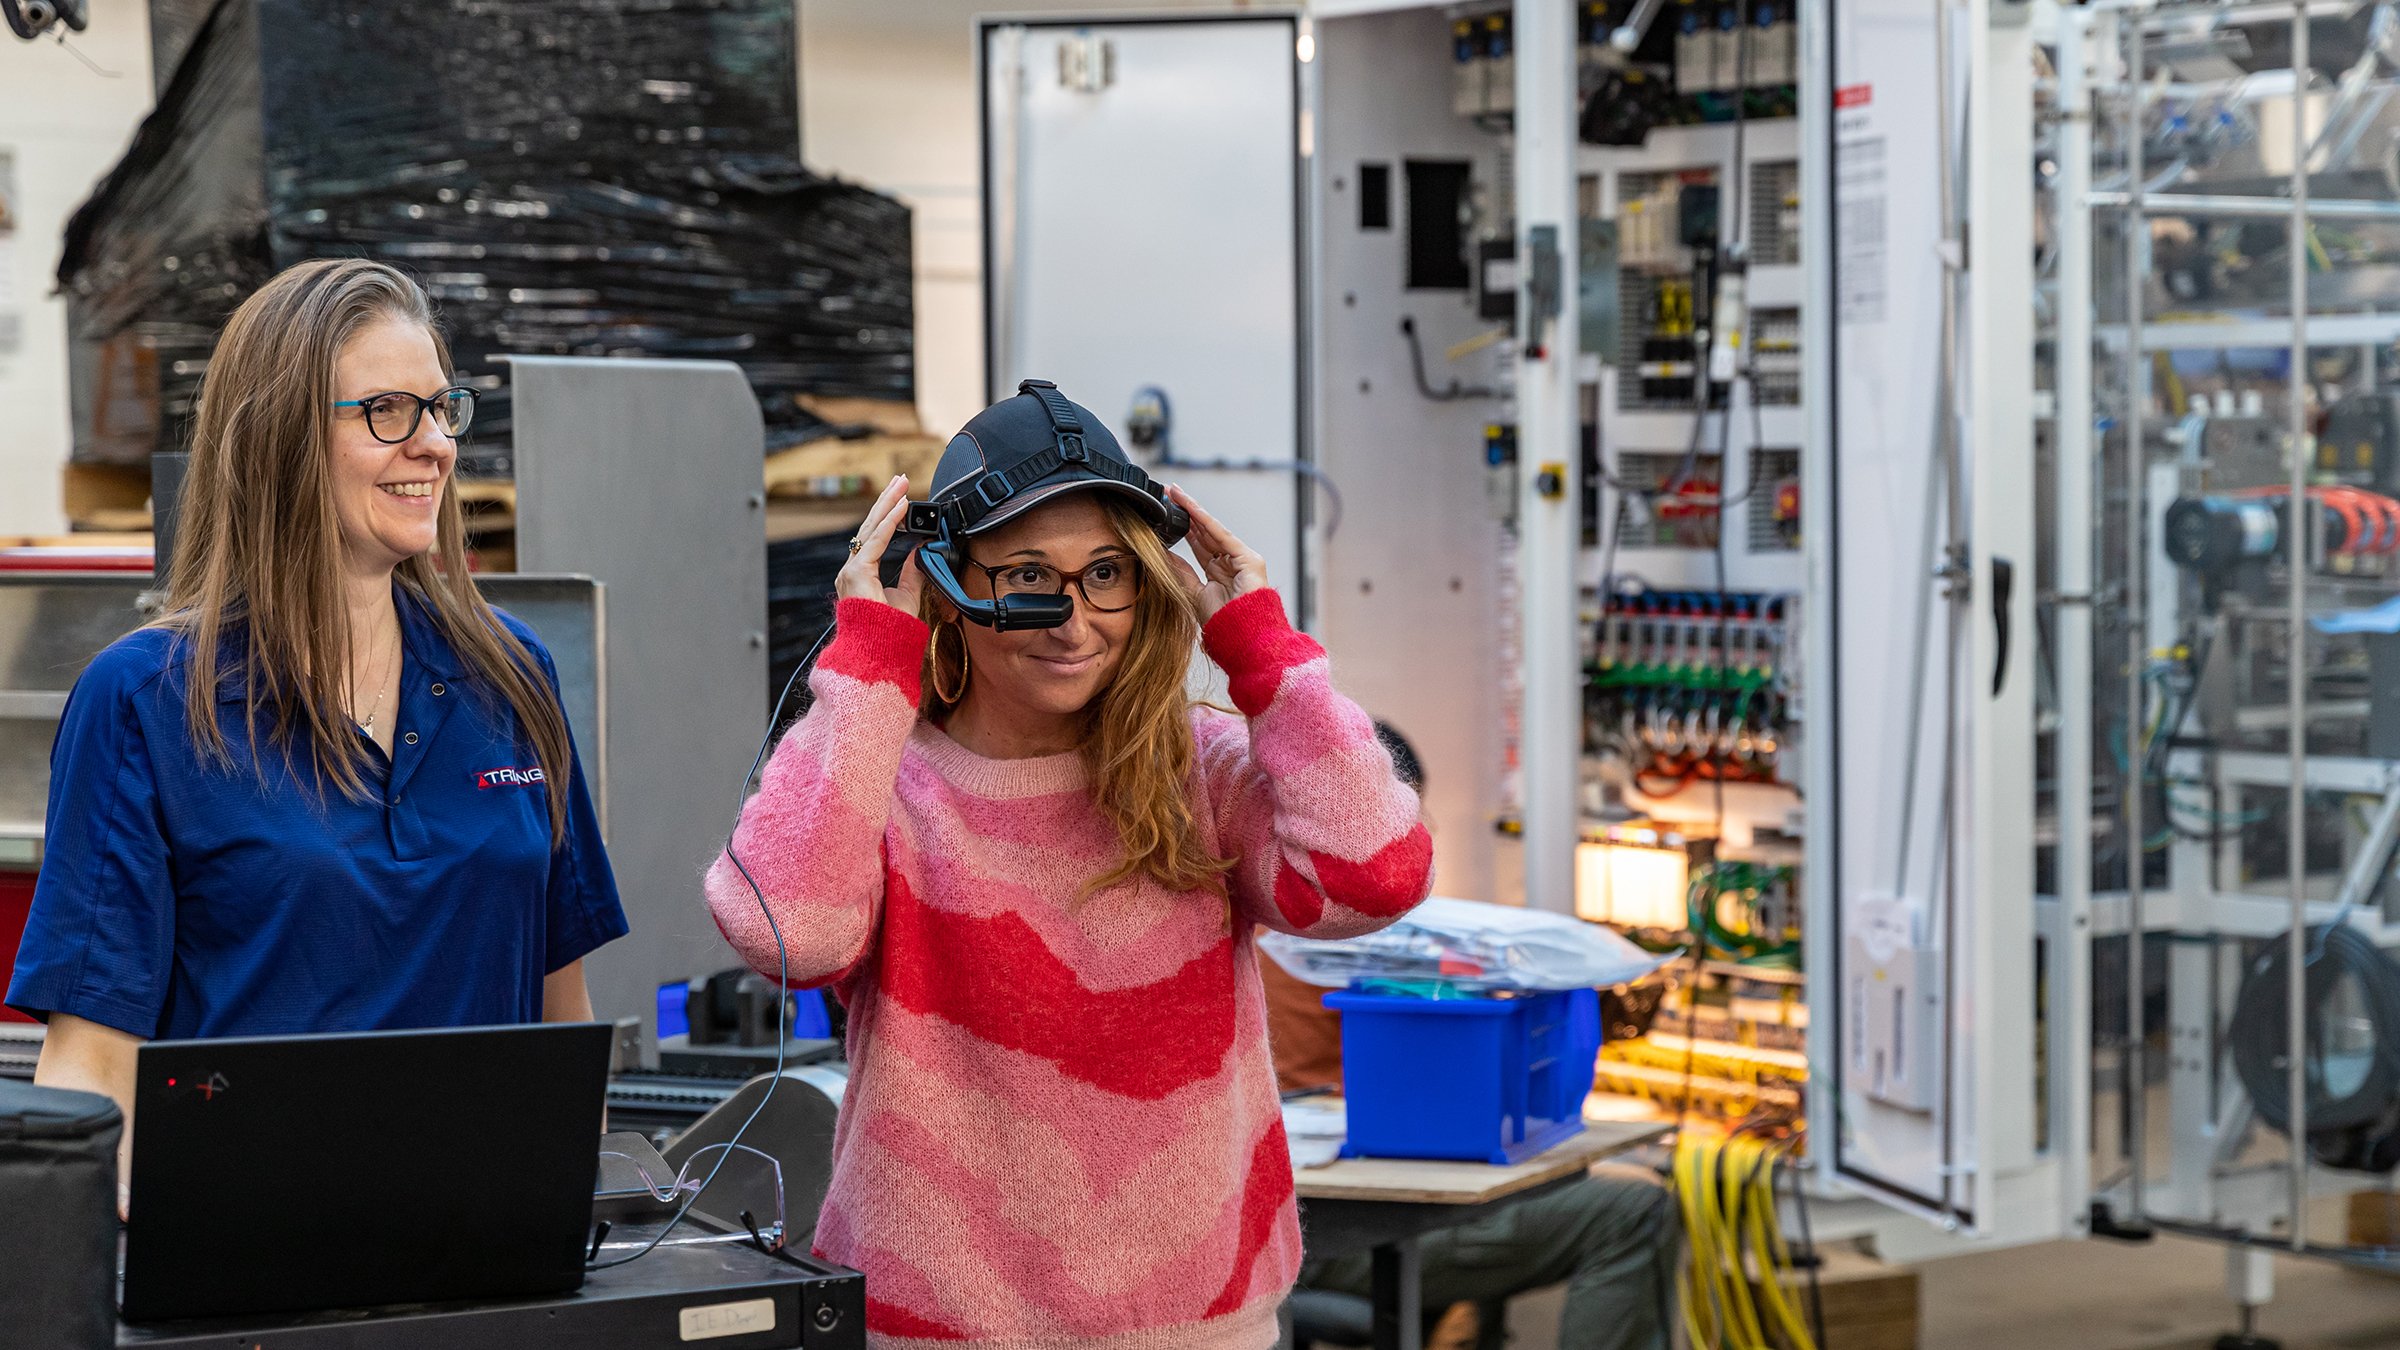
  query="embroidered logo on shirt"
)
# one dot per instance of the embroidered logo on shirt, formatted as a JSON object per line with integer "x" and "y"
{"x": 492, "y": 778}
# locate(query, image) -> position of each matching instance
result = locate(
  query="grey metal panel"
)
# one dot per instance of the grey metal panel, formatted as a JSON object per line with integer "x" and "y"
{"x": 53, "y": 623}
{"x": 570, "y": 615}
{"x": 647, "y": 475}
{"x": 1412, "y": 590}
{"x": 168, "y": 470}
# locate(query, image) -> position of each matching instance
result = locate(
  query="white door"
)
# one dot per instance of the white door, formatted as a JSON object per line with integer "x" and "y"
{"x": 1142, "y": 229}
{"x": 1923, "y": 982}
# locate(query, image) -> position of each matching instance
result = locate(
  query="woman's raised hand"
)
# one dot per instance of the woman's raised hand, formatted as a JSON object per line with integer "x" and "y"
{"x": 1232, "y": 568}
{"x": 861, "y": 578}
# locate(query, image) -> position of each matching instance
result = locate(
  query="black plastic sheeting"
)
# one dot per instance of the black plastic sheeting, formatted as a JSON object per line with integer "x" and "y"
{"x": 173, "y": 25}
{"x": 568, "y": 177}
{"x": 800, "y": 605}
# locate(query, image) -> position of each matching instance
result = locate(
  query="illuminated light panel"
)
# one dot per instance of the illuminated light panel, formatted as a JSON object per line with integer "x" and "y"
{"x": 1631, "y": 885}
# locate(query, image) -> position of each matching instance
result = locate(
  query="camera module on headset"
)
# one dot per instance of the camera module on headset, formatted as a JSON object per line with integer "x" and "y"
{"x": 1011, "y": 457}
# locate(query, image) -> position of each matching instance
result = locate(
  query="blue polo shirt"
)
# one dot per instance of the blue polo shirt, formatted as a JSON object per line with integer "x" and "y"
{"x": 180, "y": 897}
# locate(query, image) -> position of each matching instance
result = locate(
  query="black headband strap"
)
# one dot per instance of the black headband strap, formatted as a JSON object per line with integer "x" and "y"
{"x": 982, "y": 495}
{"x": 1062, "y": 413}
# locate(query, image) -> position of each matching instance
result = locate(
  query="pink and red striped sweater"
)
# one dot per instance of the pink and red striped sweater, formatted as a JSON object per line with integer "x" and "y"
{"x": 1061, "y": 1128}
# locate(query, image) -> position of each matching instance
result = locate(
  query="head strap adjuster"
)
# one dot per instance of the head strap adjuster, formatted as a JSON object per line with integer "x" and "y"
{"x": 992, "y": 489}
{"x": 1071, "y": 449}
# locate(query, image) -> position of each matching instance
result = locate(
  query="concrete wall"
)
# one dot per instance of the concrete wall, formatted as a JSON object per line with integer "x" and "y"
{"x": 63, "y": 125}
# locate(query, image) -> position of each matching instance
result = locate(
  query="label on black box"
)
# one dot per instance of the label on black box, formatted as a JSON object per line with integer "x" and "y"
{"x": 708, "y": 1321}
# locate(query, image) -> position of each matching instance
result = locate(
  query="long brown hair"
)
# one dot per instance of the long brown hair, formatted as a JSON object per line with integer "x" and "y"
{"x": 1137, "y": 739}
{"x": 258, "y": 549}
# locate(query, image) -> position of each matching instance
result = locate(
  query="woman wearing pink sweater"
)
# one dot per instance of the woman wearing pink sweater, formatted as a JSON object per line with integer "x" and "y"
{"x": 1031, "y": 867}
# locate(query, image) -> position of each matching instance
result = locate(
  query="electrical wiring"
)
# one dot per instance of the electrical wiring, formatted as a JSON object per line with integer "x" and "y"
{"x": 1700, "y": 411}
{"x": 1740, "y": 886}
{"x": 1774, "y": 1255}
{"x": 1682, "y": 472}
{"x": 1691, "y": 1041}
{"x": 1691, "y": 1007}
{"x": 1150, "y": 424}
{"x": 1758, "y": 441}
{"x": 2351, "y": 1091}
{"x": 1677, "y": 698}
{"x": 2177, "y": 683}
{"x": 1708, "y": 1303}
{"x": 1416, "y": 364}
{"x": 1738, "y": 1264}
{"x": 1812, "y": 1261}
{"x": 1667, "y": 486}
{"x": 1716, "y": 555}
{"x": 1316, "y": 475}
{"x": 1608, "y": 552}
{"x": 2212, "y": 816}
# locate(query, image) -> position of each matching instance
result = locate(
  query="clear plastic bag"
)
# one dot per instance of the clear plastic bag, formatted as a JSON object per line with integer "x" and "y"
{"x": 1472, "y": 944}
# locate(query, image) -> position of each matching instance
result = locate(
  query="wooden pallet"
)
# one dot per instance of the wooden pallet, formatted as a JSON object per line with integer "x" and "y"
{"x": 851, "y": 469}
{"x": 2375, "y": 1222}
{"x": 855, "y": 470}
{"x": 113, "y": 498}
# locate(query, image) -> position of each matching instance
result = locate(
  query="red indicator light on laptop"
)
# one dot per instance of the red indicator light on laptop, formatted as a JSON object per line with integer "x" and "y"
{"x": 170, "y": 1082}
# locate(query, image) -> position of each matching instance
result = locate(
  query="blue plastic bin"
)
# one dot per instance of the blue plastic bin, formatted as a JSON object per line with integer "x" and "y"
{"x": 1480, "y": 1080}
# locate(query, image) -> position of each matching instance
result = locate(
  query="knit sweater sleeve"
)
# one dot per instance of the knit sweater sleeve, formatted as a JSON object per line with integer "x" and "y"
{"x": 1326, "y": 840}
{"x": 812, "y": 836}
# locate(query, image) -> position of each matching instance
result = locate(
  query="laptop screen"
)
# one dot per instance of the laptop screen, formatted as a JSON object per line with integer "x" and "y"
{"x": 302, "y": 1173}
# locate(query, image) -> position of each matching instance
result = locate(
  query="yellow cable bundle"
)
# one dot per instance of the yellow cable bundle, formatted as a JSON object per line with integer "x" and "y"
{"x": 1733, "y": 1288}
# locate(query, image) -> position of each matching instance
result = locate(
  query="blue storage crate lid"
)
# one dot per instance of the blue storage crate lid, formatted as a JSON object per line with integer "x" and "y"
{"x": 1348, "y": 1001}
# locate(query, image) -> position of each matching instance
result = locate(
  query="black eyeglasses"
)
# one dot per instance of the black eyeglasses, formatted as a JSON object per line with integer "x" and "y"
{"x": 1108, "y": 585}
{"x": 392, "y": 418}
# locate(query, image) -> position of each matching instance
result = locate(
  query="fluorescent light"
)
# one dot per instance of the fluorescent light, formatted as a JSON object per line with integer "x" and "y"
{"x": 1633, "y": 886}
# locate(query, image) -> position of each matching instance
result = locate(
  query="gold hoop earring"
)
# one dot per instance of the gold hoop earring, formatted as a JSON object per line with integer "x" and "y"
{"x": 933, "y": 654}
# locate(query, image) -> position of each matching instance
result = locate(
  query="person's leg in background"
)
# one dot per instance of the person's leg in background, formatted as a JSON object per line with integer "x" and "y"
{"x": 1612, "y": 1239}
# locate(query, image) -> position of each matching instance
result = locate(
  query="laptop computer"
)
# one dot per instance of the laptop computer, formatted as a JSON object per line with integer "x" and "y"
{"x": 303, "y": 1173}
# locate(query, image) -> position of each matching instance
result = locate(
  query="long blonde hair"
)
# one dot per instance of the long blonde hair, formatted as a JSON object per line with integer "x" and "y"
{"x": 1137, "y": 737}
{"x": 258, "y": 547}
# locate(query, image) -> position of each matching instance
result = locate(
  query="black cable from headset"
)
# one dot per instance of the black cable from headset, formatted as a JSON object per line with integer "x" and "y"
{"x": 783, "y": 966}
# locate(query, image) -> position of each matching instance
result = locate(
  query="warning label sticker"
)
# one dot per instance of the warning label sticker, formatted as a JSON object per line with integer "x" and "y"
{"x": 1862, "y": 200}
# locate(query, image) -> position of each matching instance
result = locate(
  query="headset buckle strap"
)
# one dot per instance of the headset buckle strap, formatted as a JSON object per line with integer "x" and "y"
{"x": 992, "y": 489}
{"x": 1071, "y": 449}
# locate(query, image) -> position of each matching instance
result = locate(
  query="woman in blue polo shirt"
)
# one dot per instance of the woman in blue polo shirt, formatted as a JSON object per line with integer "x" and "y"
{"x": 330, "y": 788}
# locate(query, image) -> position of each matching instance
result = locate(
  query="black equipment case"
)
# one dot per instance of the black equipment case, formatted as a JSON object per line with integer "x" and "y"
{"x": 58, "y": 1217}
